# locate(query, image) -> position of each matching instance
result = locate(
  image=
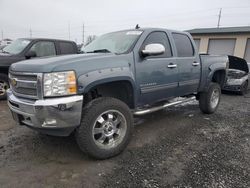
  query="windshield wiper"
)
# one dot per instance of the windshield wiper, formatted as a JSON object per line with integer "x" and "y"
{"x": 5, "y": 52}
{"x": 100, "y": 51}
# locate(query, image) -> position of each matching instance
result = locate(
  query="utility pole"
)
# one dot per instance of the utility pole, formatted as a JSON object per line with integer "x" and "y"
{"x": 83, "y": 34}
{"x": 69, "y": 29}
{"x": 2, "y": 34}
{"x": 219, "y": 17}
{"x": 30, "y": 33}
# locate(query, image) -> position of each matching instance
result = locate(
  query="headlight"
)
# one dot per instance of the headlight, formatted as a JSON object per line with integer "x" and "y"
{"x": 59, "y": 84}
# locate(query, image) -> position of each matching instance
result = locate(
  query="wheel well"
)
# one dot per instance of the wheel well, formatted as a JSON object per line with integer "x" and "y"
{"x": 121, "y": 90}
{"x": 4, "y": 70}
{"x": 219, "y": 77}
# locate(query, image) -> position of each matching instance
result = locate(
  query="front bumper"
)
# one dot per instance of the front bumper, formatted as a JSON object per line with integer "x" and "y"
{"x": 235, "y": 84}
{"x": 55, "y": 116}
{"x": 232, "y": 88}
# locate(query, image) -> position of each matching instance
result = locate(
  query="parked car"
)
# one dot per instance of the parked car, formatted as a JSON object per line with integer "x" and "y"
{"x": 121, "y": 74}
{"x": 28, "y": 48}
{"x": 238, "y": 75}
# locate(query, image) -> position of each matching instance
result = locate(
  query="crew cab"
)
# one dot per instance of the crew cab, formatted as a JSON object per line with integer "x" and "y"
{"x": 27, "y": 48}
{"x": 123, "y": 74}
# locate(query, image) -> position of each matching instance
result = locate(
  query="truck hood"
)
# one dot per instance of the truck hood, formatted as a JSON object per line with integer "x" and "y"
{"x": 80, "y": 63}
{"x": 238, "y": 64}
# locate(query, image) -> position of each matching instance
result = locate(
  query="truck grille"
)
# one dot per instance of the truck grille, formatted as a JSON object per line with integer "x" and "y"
{"x": 24, "y": 84}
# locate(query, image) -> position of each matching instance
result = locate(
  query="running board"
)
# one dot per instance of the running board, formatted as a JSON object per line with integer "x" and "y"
{"x": 154, "y": 109}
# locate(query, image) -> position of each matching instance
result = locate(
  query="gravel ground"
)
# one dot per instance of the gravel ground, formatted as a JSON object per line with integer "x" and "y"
{"x": 177, "y": 147}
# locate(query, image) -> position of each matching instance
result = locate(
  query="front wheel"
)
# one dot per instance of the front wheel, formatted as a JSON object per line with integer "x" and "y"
{"x": 105, "y": 129}
{"x": 209, "y": 101}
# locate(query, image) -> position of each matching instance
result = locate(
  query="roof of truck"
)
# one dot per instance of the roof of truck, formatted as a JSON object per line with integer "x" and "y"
{"x": 48, "y": 39}
{"x": 152, "y": 29}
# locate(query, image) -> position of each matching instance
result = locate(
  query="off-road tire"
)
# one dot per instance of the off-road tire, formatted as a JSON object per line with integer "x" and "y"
{"x": 84, "y": 134}
{"x": 4, "y": 81}
{"x": 205, "y": 99}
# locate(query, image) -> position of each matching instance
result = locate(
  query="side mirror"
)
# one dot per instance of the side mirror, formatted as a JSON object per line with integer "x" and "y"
{"x": 30, "y": 54}
{"x": 153, "y": 49}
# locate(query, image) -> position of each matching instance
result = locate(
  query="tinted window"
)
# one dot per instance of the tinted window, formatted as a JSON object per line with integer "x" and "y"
{"x": 160, "y": 38}
{"x": 183, "y": 45}
{"x": 67, "y": 48}
{"x": 44, "y": 48}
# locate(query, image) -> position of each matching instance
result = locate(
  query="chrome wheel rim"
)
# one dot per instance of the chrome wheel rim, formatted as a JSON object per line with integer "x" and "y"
{"x": 109, "y": 129}
{"x": 3, "y": 87}
{"x": 215, "y": 98}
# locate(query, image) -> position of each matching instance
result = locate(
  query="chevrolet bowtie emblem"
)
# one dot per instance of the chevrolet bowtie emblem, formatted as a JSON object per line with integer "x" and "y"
{"x": 13, "y": 81}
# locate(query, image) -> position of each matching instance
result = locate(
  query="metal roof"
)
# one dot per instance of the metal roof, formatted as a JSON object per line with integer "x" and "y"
{"x": 221, "y": 30}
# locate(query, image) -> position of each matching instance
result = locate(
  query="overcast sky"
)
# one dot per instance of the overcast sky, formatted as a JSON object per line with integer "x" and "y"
{"x": 53, "y": 18}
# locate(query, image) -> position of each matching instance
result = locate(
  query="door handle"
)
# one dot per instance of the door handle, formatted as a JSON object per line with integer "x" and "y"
{"x": 171, "y": 65}
{"x": 195, "y": 63}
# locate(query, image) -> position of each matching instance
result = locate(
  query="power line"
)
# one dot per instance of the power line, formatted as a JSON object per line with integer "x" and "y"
{"x": 30, "y": 33}
{"x": 69, "y": 30}
{"x": 83, "y": 33}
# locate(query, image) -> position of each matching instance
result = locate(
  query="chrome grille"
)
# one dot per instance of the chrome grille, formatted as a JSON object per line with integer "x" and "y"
{"x": 24, "y": 84}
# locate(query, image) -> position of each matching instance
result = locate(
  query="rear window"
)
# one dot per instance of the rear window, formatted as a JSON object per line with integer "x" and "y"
{"x": 67, "y": 48}
{"x": 183, "y": 45}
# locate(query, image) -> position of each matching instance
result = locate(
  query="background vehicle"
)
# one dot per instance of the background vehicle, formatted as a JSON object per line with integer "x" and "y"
{"x": 27, "y": 48}
{"x": 2, "y": 46}
{"x": 238, "y": 75}
{"x": 121, "y": 74}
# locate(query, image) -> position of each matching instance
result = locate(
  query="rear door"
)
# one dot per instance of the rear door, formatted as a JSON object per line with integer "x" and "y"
{"x": 67, "y": 48}
{"x": 188, "y": 64}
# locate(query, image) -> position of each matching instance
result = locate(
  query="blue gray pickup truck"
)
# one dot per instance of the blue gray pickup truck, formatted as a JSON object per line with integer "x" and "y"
{"x": 123, "y": 74}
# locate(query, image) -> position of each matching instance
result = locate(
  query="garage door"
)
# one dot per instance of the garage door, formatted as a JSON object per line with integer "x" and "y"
{"x": 221, "y": 46}
{"x": 247, "y": 52}
{"x": 197, "y": 43}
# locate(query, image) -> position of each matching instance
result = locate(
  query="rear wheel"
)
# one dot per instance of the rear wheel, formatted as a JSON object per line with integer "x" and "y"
{"x": 209, "y": 101}
{"x": 4, "y": 86}
{"x": 105, "y": 129}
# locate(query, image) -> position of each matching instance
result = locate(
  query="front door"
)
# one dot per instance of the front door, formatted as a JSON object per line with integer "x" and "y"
{"x": 157, "y": 75}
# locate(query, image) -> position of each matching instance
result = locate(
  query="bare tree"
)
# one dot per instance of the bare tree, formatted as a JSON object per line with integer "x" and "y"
{"x": 90, "y": 38}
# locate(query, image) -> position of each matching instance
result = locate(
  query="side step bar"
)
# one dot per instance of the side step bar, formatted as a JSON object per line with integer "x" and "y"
{"x": 154, "y": 109}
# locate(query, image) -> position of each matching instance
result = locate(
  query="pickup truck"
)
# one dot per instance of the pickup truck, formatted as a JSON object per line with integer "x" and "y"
{"x": 27, "y": 48}
{"x": 123, "y": 74}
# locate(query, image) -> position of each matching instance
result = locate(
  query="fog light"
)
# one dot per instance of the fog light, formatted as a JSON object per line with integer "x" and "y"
{"x": 49, "y": 123}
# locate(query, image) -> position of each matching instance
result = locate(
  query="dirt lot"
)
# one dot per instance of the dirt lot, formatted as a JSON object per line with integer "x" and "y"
{"x": 179, "y": 147}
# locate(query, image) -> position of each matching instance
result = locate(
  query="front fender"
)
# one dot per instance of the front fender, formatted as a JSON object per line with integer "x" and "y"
{"x": 94, "y": 78}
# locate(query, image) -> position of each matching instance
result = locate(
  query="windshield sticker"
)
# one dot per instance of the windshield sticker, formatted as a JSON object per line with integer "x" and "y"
{"x": 134, "y": 33}
{"x": 25, "y": 41}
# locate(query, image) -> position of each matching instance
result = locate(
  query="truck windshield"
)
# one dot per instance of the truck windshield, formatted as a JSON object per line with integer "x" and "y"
{"x": 16, "y": 47}
{"x": 117, "y": 42}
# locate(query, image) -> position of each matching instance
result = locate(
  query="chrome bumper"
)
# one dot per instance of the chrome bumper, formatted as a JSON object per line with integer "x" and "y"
{"x": 46, "y": 114}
